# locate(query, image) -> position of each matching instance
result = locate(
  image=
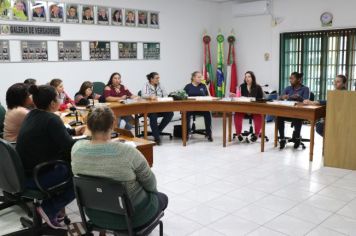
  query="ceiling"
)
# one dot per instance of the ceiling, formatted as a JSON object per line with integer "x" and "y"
{"x": 221, "y": 1}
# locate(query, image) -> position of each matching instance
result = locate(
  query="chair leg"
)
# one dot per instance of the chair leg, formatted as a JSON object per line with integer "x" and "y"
{"x": 160, "y": 228}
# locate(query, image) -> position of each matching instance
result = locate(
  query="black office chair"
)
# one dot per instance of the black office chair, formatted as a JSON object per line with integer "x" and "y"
{"x": 248, "y": 132}
{"x": 194, "y": 130}
{"x": 138, "y": 126}
{"x": 12, "y": 181}
{"x": 110, "y": 196}
{"x": 302, "y": 140}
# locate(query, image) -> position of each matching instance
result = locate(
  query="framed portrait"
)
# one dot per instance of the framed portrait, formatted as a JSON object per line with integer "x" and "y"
{"x": 5, "y": 9}
{"x": 151, "y": 51}
{"x": 127, "y": 50}
{"x": 33, "y": 51}
{"x": 38, "y": 10}
{"x": 87, "y": 14}
{"x": 4, "y": 51}
{"x": 69, "y": 50}
{"x": 72, "y": 13}
{"x": 103, "y": 15}
{"x": 56, "y": 12}
{"x": 19, "y": 10}
{"x": 99, "y": 50}
{"x": 130, "y": 17}
{"x": 116, "y": 16}
{"x": 142, "y": 18}
{"x": 153, "y": 20}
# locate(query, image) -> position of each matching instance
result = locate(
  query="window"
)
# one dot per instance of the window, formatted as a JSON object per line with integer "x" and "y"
{"x": 320, "y": 55}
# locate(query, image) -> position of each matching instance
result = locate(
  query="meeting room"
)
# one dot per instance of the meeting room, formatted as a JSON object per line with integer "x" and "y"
{"x": 174, "y": 118}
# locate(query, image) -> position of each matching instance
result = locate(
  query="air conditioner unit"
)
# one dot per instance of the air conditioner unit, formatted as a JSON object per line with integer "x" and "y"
{"x": 251, "y": 8}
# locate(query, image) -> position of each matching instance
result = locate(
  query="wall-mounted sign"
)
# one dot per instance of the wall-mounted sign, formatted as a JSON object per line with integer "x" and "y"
{"x": 69, "y": 50}
{"x": 151, "y": 51}
{"x": 29, "y": 30}
{"x": 99, "y": 50}
{"x": 4, "y": 51}
{"x": 127, "y": 50}
{"x": 34, "y": 51}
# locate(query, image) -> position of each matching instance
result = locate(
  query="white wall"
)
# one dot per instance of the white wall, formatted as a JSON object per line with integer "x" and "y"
{"x": 182, "y": 24}
{"x": 256, "y": 35}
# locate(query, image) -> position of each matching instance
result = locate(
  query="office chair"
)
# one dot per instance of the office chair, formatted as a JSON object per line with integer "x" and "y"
{"x": 302, "y": 140}
{"x": 109, "y": 196}
{"x": 139, "y": 133}
{"x": 194, "y": 130}
{"x": 12, "y": 181}
{"x": 248, "y": 132}
{"x": 98, "y": 88}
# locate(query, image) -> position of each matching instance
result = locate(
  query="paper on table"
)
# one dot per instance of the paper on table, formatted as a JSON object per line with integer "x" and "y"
{"x": 201, "y": 98}
{"x": 165, "y": 99}
{"x": 283, "y": 103}
{"x": 226, "y": 99}
{"x": 80, "y": 137}
{"x": 243, "y": 99}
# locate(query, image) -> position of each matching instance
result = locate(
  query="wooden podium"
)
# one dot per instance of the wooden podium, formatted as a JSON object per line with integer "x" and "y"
{"x": 340, "y": 130}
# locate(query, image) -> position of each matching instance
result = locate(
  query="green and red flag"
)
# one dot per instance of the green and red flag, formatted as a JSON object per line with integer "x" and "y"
{"x": 207, "y": 66}
{"x": 220, "y": 80}
{"x": 231, "y": 77}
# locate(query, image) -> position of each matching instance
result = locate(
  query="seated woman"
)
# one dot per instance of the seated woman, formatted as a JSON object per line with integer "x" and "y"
{"x": 249, "y": 89}
{"x": 340, "y": 83}
{"x": 124, "y": 163}
{"x": 65, "y": 101}
{"x": 85, "y": 93}
{"x": 42, "y": 138}
{"x": 196, "y": 88}
{"x": 152, "y": 90}
{"x": 116, "y": 92}
{"x": 18, "y": 99}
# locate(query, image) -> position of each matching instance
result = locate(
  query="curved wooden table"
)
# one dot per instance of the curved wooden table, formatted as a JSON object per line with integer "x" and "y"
{"x": 300, "y": 111}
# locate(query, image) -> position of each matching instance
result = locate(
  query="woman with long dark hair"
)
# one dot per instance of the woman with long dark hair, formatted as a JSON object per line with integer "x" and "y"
{"x": 117, "y": 92}
{"x": 249, "y": 88}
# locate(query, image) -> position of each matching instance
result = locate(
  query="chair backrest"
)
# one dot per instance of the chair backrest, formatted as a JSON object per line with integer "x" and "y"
{"x": 102, "y": 194}
{"x": 312, "y": 96}
{"x": 98, "y": 87}
{"x": 12, "y": 173}
{"x": 2, "y": 118}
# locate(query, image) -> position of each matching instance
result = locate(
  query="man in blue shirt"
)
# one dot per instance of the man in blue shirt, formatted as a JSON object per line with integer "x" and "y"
{"x": 296, "y": 92}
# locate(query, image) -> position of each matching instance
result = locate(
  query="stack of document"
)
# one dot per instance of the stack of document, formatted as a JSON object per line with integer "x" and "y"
{"x": 244, "y": 99}
{"x": 283, "y": 103}
{"x": 201, "y": 98}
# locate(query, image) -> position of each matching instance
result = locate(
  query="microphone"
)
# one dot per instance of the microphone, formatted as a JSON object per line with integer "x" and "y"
{"x": 76, "y": 121}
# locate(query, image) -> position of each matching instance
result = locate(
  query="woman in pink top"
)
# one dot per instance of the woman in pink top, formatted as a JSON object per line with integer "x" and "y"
{"x": 65, "y": 101}
{"x": 17, "y": 99}
{"x": 114, "y": 91}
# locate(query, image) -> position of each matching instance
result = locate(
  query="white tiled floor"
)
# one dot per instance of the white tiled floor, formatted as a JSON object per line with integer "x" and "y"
{"x": 238, "y": 190}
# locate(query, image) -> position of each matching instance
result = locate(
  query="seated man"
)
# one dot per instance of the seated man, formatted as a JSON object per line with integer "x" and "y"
{"x": 153, "y": 90}
{"x": 340, "y": 83}
{"x": 296, "y": 92}
{"x": 196, "y": 88}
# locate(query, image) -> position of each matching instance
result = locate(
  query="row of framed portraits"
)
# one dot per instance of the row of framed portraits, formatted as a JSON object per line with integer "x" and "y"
{"x": 39, "y": 51}
{"x": 44, "y": 11}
